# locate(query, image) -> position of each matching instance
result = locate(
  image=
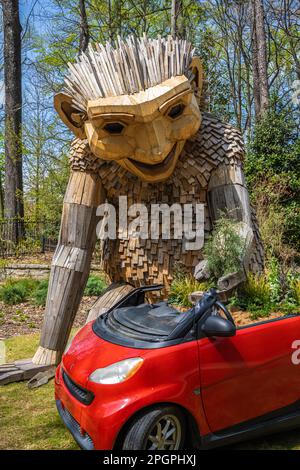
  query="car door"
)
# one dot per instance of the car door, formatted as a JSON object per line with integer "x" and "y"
{"x": 251, "y": 374}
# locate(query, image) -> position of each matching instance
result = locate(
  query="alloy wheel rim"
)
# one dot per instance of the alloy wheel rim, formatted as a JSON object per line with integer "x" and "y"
{"x": 165, "y": 434}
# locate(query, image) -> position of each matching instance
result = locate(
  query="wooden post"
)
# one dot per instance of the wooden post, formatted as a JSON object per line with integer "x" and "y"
{"x": 70, "y": 265}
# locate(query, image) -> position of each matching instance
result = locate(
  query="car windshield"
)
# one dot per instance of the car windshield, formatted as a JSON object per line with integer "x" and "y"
{"x": 145, "y": 322}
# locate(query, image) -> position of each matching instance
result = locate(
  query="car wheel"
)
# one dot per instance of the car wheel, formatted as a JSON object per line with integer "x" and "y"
{"x": 161, "y": 428}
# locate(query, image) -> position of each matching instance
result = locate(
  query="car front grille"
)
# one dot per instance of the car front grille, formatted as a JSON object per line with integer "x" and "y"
{"x": 83, "y": 440}
{"x": 81, "y": 394}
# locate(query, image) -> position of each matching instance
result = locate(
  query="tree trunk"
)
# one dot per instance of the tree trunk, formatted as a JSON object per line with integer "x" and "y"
{"x": 262, "y": 56}
{"x": 13, "y": 204}
{"x": 256, "y": 90}
{"x": 174, "y": 17}
{"x": 84, "y": 28}
{"x": 1, "y": 197}
{"x": 259, "y": 60}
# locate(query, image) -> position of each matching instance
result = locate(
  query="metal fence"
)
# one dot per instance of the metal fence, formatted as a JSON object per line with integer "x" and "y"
{"x": 32, "y": 236}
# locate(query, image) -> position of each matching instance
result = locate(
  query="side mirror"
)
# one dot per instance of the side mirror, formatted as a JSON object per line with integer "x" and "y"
{"x": 218, "y": 326}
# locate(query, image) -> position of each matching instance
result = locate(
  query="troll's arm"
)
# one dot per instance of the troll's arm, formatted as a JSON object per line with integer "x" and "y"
{"x": 71, "y": 263}
{"x": 227, "y": 193}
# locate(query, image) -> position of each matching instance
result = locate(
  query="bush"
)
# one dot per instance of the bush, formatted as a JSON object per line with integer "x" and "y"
{"x": 39, "y": 295}
{"x": 225, "y": 248}
{"x": 295, "y": 288}
{"x": 274, "y": 280}
{"x": 274, "y": 218}
{"x": 272, "y": 169}
{"x": 95, "y": 286}
{"x": 269, "y": 292}
{"x": 256, "y": 291}
{"x": 29, "y": 284}
{"x": 274, "y": 148}
{"x": 13, "y": 294}
{"x": 17, "y": 291}
{"x": 291, "y": 301}
{"x": 182, "y": 287}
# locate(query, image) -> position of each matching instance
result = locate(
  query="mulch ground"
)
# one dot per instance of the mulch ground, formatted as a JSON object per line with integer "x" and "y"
{"x": 242, "y": 318}
{"x": 40, "y": 258}
{"x": 26, "y": 318}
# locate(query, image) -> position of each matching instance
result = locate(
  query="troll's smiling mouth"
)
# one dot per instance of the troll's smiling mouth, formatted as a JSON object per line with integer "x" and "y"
{"x": 156, "y": 168}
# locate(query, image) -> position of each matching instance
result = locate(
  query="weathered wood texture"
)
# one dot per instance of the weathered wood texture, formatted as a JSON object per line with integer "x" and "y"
{"x": 19, "y": 370}
{"x": 135, "y": 64}
{"x": 209, "y": 171}
{"x": 108, "y": 299}
{"x": 71, "y": 264}
{"x": 148, "y": 134}
{"x": 158, "y": 149}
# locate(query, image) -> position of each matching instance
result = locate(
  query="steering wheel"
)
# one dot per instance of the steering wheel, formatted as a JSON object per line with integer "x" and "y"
{"x": 222, "y": 307}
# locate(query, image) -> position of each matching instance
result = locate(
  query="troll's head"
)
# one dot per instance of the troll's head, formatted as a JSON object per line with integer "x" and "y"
{"x": 136, "y": 103}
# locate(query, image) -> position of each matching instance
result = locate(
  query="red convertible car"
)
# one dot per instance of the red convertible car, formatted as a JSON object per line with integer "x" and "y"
{"x": 148, "y": 377}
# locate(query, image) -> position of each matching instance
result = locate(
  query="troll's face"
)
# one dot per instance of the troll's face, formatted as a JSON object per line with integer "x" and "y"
{"x": 144, "y": 132}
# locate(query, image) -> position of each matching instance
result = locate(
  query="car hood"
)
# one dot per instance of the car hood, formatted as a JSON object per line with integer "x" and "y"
{"x": 89, "y": 352}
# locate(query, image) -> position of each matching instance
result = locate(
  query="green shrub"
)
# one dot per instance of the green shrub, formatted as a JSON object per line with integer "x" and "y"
{"x": 182, "y": 287}
{"x": 274, "y": 147}
{"x": 274, "y": 218}
{"x": 28, "y": 283}
{"x": 95, "y": 286}
{"x": 12, "y": 294}
{"x": 262, "y": 294}
{"x": 225, "y": 248}
{"x": 254, "y": 296}
{"x": 39, "y": 295}
{"x": 257, "y": 289}
{"x": 274, "y": 281}
{"x": 272, "y": 168}
{"x": 291, "y": 301}
{"x": 15, "y": 291}
{"x": 295, "y": 287}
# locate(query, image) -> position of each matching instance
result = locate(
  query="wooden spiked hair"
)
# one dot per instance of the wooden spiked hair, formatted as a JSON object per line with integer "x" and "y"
{"x": 133, "y": 65}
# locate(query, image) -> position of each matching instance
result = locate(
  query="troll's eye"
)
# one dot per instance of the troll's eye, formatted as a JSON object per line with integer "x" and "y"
{"x": 114, "y": 127}
{"x": 176, "y": 111}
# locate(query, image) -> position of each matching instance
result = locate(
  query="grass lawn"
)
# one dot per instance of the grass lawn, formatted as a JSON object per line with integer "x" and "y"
{"x": 29, "y": 420}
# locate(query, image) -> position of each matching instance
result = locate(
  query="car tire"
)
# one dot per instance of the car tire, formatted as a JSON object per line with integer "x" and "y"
{"x": 161, "y": 428}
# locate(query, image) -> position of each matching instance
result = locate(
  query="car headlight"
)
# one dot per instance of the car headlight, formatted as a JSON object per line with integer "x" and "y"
{"x": 117, "y": 372}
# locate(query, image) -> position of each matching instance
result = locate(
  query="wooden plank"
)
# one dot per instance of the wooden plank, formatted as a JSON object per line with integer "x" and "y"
{"x": 232, "y": 199}
{"x": 108, "y": 300}
{"x": 23, "y": 370}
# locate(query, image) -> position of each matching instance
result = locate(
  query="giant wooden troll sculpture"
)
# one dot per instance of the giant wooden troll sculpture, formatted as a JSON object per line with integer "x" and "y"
{"x": 134, "y": 110}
